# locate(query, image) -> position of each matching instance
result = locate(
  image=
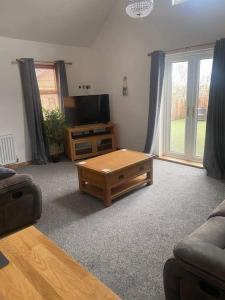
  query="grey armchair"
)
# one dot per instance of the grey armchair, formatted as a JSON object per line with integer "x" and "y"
{"x": 197, "y": 270}
{"x": 20, "y": 202}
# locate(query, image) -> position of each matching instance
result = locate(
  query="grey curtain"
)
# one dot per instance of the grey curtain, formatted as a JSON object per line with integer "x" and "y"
{"x": 33, "y": 110}
{"x": 156, "y": 85}
{"x": 214, "y": 156}
{"x": 62, "y": 80}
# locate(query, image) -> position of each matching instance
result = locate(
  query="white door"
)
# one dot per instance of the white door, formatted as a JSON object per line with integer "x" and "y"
{"x": 186, "y": 94}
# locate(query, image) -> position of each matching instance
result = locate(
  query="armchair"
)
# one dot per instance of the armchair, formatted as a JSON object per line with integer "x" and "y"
{"x": 20, "y": 202}
{"x": 197, "y": 269}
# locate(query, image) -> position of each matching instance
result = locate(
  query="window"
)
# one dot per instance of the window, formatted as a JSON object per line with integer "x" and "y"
{"x": 175, "y": 2}
{"x": 47, "y": 83}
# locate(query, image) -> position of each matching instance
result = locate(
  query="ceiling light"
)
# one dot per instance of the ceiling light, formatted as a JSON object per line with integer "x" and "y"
{"x": 139, "y": 8}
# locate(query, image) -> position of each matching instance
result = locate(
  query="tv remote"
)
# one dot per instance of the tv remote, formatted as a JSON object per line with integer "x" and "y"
{"x": 3, "y": 261}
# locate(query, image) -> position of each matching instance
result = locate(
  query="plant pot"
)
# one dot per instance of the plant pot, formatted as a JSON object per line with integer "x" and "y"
{"x": 55, "y": 152}
{"x": 55, "y": 158}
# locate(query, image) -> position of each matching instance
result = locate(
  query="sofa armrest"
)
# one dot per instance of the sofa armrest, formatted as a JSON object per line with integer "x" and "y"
{"x": 14, "y": 182}
{"x": 218, "y": 211}
{"x": 201, "y": 258}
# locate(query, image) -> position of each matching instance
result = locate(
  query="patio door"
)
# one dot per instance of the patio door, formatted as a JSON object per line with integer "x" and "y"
{"x": 186, "y": 94}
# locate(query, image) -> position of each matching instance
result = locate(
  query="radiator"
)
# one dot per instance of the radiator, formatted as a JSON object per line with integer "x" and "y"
{"x": 7, "y": 149}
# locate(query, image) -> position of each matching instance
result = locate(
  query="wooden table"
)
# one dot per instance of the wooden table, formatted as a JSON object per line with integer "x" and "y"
{"x": 38, "y": 269}
{"x": 109, "y": 176}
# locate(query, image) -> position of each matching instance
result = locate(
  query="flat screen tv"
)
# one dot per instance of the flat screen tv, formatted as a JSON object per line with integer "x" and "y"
{"x": 90, "y": 109}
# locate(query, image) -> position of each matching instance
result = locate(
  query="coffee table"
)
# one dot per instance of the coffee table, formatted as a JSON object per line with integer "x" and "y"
{"x": 111, "y": 175}
{"x": 39, "y": 270}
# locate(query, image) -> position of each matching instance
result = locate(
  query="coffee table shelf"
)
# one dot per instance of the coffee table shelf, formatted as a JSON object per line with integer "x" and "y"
{"x": 118, "y": 190}
{"x": 129, "y": 186}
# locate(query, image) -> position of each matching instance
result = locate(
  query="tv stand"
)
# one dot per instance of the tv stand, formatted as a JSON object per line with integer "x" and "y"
{"x": 90, "y": 140}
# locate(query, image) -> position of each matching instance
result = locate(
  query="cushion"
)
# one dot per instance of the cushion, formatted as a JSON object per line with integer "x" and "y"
{"x": 5, "y": 173}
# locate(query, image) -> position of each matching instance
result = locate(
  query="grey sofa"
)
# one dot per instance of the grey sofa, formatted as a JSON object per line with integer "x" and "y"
{"x": 20, "y": 202}
{"x": 197, "y": 270}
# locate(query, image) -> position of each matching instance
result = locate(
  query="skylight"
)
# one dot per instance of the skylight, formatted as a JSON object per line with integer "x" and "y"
{"x": 175, "y": 2}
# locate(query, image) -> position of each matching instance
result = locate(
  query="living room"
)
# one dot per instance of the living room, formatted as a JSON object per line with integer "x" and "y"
{"x": 136, "y": 163}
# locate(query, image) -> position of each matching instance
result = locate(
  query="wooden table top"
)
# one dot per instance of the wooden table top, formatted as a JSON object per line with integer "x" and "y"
{"x": 38, "y": 269}
{"x": 114, "y": 161}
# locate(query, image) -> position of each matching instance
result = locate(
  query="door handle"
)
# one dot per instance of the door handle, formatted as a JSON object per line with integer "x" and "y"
{"x": 193, "y": 111}
{"x": 188, "y": 111}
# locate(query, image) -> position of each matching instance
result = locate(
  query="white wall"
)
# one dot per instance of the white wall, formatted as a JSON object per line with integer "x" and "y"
{"x": 122, "y": 48}
{"x": 12, "y": 115}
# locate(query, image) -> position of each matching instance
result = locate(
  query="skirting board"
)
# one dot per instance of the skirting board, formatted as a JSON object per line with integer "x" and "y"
{"x": 18, "y": 165}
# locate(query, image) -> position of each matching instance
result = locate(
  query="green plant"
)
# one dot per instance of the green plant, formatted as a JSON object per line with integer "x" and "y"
{"x": 55, "y": 125}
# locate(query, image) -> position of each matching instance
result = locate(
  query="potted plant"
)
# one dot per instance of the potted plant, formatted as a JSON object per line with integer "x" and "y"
{"x": 55, "y": 125}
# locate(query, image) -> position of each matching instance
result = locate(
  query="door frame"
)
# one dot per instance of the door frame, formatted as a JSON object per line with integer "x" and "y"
{"x": 193, "y": 58}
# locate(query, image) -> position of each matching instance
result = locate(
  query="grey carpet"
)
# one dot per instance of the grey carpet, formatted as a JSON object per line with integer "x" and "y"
{"x": 127, "y": 244}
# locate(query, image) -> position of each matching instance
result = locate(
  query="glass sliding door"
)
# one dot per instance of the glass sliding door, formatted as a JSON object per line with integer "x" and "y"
{"x": 186, "y": 93}
{"x": 178, "y": 111}
{"x": 202, "y": 104}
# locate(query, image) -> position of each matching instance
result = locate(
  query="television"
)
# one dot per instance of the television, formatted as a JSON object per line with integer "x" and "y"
{"x": 89, "y": 109}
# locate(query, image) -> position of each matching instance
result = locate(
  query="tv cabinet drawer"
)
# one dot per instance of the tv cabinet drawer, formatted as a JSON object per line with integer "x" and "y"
{"x": 130, "y": 172}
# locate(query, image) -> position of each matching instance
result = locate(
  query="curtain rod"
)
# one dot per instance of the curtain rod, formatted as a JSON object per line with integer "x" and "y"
{"x": 187, "y": 48}
{"x": 40, "y": 62}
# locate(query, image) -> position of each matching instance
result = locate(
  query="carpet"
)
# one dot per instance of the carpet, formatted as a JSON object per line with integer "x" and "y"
{"x": 126, "y": 245}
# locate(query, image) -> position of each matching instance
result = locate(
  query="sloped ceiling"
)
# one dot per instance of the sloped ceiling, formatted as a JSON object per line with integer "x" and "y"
{"x": 66, "y": 22}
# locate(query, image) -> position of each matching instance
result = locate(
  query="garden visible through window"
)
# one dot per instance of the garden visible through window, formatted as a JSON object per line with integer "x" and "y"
{"x": 47, "y": 83}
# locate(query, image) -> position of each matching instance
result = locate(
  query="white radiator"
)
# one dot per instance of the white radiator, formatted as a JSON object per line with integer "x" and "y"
{"x": 7, "y": 149}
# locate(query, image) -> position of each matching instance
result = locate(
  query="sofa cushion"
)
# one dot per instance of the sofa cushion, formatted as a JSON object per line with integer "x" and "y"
{"x": 5, "y": 173}
{"x": 219, "y": 211}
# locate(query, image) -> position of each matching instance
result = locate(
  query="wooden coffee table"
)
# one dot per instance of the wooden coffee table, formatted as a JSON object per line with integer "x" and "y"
{"x": 39, "y": 270}
{"x": 109, "y": 176}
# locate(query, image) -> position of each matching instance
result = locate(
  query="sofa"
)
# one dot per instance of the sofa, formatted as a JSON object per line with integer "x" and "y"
{"x": 20, "y": 202}
{"x": 197, "y": 269}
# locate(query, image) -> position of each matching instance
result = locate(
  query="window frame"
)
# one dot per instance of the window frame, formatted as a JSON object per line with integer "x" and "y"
{"x": 177, "y": 2}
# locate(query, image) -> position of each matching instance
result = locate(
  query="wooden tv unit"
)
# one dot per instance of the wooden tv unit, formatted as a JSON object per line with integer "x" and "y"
{"x": 90, "y": 140}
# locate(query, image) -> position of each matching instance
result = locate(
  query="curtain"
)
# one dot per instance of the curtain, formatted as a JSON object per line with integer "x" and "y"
{"x": 33, "y": 110}
{"x": 156, "y": 85}
{"x": 62, "y": 80}
{"x": 214, "y": 156}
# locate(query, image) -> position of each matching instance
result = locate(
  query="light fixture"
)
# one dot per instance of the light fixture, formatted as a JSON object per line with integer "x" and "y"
{"x": 139, "y": 8}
